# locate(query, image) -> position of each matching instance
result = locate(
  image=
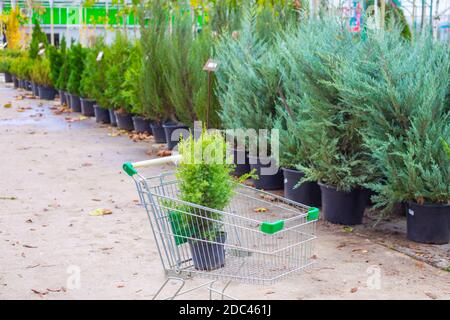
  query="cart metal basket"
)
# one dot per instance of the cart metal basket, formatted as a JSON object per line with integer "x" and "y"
{"x": 258, "y": 238}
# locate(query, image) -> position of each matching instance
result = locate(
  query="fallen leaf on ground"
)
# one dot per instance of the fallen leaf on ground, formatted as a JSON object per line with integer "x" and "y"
{"x": 353, "y": 290}
{"x": 19, "y": 97}
{"x": 28, "y": 246}
{"x": 164, "y": 153}
{"x": 261, "y": 209}
{"x": 431, "y": 295}
{"x": 7, "y": 105}
{"x": 40, "y": 293}
{"x": 348, "y": 229}
{"x": 57, "y": 290}
{"x": 100, "y": 212}
{"x": 8, "y": 198}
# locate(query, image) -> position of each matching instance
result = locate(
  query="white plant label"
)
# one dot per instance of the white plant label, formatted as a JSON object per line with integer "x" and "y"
{"x": 41, "y": 44}
{"x": 411, "y": 212}
{"x": 100, "y": 56}
{"x": 41, "y": 52}
{"x": 285, "y": 181}
{"x": 5, "y": 44}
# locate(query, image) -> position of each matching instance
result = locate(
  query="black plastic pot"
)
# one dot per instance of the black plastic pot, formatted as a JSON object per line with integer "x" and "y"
{"x": 22, "y": 84}
{"x": 342, "y": 207}
{"x": 209, "y": 255}
{"x": 75, "y": 103}
{"x": 15, "y": 81}
{"x": 46, "y": 93}
{"x": 112, "y": 117}
{"x": 428, "y": 223}
{"x": 172, "y": 138}
{"x": 87, "y": 107}
{"x": 158, "y": 132}
{"x": 265, "y": 182}
{"x": 307, "y": 193}
{"x": 35, "y": 89}
{"x": 8, "y": 77}
{"x": 28, "y": 86}
{"x": 101, "y": 114}
{"x": 62, "y": 97}
{"x": 240, "y": 159}
{"x": 141, "y": 124}
{"x": 124, "y": 121}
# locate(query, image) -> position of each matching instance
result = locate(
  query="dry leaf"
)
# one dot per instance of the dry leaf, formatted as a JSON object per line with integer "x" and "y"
{"x": 353, "y": 290}
{"x": 100, "y": 212}
{"x": 260, "y": 209}
{"x": 7, "y": 105}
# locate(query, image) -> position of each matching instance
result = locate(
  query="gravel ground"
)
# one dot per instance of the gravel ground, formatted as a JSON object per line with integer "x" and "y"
{"x": 56, "y": 170}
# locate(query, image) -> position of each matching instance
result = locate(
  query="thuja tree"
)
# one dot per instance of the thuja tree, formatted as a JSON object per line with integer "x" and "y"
{"x": 118, "y": 57}
{"x": 186, "y": 80}
{"x": 332, "y": 147}
{"x": 38, "y": 40}
{"x": 76, "y": 66}
{"x": 153, "y": 20}
{"x": 56, "y": 58}
{"x": 401, "y": 90}
{"x": 91, "y": 78}
{"x": 64, "y": 72}
{"x": 131, "y": 89}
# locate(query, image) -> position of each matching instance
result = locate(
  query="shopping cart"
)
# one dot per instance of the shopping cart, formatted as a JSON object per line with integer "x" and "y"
{"x": 259, "y": 238}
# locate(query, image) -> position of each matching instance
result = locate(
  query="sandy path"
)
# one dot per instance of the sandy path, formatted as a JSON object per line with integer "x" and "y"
{"x": 57, "y": 171}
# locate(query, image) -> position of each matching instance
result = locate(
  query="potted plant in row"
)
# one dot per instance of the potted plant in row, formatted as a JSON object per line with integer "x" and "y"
{"x": 76, "y": 65}
{"x": 5, "y": 67}
{"x": 56, "y": 57}
{"x": 247, "y": 87}
{"x": 41, "y": 77}
{"x": 63, "y": 76}
{"x": 402, "y": 90}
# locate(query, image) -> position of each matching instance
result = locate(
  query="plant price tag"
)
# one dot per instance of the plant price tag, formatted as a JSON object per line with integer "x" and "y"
{"x": 411, "y": 212}
{"x": 100, "y": 56}
{"x": 41, "y": 45}
{"x": 41, "y": 52}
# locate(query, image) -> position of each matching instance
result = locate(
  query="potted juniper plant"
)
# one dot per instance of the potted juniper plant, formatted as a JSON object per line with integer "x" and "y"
{"x": 89, "y": 80}
{"x": 334, "y": 153}
{"x": 247, "y": 89}
{"x": 204, "y": 179}
{"x": 41, "y": 76}
{"x": 76, "y": 66}
{"x": 155, "y": 46}
{"x": 56, "y": 57}
{"x": 132, "y": 90}
{"x": 99, "y": 85}
{"x": 119, "y": 53}
{"x": 63, "y": 77}
{"x": 402, "y": 88}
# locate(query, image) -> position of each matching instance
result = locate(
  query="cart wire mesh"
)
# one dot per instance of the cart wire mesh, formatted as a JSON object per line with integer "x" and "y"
{"x": 258, "y": 238}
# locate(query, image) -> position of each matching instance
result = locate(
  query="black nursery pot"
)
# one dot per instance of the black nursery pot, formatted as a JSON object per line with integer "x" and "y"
{"x": 8, "y": 77}
{"x": 46, "y": 93}
{"x": 342, "y": 207}
{"x": 35, "y": 89}
{"x": 141, "y": 124}
{"x": 172, "y": 138}
{"x": 209, "y": 255}
{"x": 15, "y": 81}
{"x": 101, "y": 114}
{"x": 22, "y": 84}
{"x": 112, "y": 117}
{"x": 29, "y": 86}
{"x": 428, "y": 223}
{"x": 307, "y": 193}
{"x": 240, "y": 159}
{"x": 62, "y": 97}
{"x": 75, "y": 103}
{"x": 124, "y": 121}
{"x": 87, "y": 107}
{"x": 158, "y": 132}
{"x": 265, "y": 182}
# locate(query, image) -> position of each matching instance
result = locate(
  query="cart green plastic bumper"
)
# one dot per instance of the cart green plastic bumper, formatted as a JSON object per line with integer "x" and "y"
{"x": 313, "y": 214}
{"x": 129, "y": 169}
{"x": 272, "y": 227}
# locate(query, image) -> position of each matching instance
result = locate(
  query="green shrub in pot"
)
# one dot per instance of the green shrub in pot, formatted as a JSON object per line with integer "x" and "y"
{"x": 64, "y": 72}
{"x": 56, "y": 58}
{"x": 90, "y": 77}
{"x": 401, "y": 89}
{"x": 76, "y": 66}
{"x": 38, "y": 40}
{"x": 131, "y": 88}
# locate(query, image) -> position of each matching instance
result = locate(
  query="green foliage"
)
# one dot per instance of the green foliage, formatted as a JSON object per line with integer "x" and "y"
{"x": 401, "y": 91}
{"x": 21, "y": 67}
{"x": 5, "y": 64}
{"x": 155, "y": 46}
{"x": 41, "y": 73}
{"x": 331, "y": 150}
{"x": 90, "y": 79}
{"x": 37, "y": 37}
{"x": 76, "y": 67}
{"x": 118, "y": 58}
{"x": 56, "y": 57}
{"x": 98, "y": 76}
{"x": 187, "y": 83}
{"x": 247, "y": 78}
{"x": 204, "y": 179}
{"x": 131, "y": 90}
{"x": 64, "y": 72}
